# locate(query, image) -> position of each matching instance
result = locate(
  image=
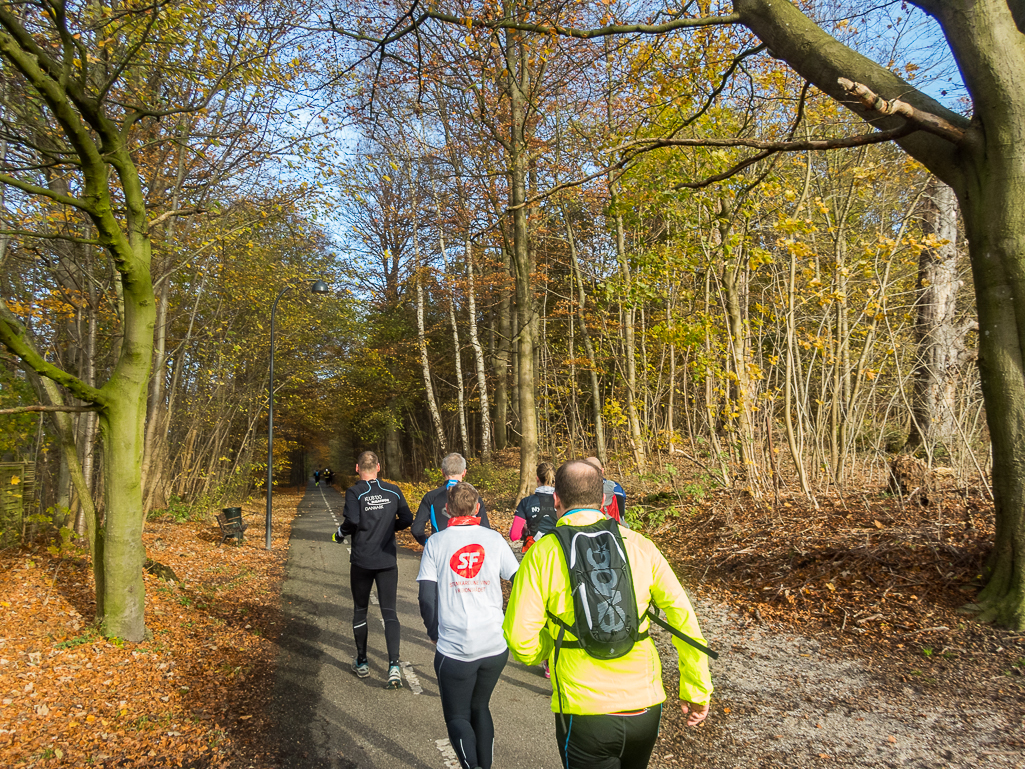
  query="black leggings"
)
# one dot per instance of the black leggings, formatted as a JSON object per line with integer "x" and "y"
{"x": 613, "y": 741}
{"x": 361, "y": 580}
{"x": 466, "y": 689}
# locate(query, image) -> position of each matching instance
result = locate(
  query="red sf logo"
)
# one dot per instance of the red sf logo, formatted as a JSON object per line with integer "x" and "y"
{"x": 466, "y": 561}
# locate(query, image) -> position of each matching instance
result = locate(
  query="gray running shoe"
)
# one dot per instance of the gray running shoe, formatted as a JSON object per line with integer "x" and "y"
{"x": 361, "y": 668}
{"x": 394, "y": 678}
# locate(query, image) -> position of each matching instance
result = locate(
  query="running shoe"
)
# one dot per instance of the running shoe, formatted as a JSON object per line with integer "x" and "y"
{"x": 361, "y": 668}
{"x": 394, "y": 677}
{"x": 544, "y": 666}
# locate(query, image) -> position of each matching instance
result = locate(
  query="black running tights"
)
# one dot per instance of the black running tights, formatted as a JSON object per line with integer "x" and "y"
{"x": 361, "y": 580}
{"x": 466, "y": 689}
{"x": 613, "y": 741}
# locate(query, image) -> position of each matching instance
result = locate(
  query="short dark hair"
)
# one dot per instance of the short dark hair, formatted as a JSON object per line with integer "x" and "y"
{"x": 368, "y": 462}
{"x": 461, "y": 499}
{"x": 579, "y": 484}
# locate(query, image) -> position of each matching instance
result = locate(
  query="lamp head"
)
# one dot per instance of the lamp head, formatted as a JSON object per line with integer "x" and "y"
{"x": 320, "y": 287}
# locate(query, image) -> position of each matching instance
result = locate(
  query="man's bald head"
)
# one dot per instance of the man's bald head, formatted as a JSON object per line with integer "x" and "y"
{"x": 578, "y": 483}
{"x": 596, "y": 462}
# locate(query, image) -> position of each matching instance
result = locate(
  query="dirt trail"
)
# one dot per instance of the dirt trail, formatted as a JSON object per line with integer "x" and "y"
{"x": 786, "y": 700}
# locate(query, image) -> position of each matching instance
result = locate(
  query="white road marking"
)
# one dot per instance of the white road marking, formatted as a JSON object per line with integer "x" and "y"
{"x": 448, "y": 755}
{"x": 411, "y": 679}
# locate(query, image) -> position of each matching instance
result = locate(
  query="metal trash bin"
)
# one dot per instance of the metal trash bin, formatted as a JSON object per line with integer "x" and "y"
{"x": 234, "y": 515}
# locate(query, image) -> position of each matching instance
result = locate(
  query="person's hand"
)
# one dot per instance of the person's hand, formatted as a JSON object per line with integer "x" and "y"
{"x": 433, "y": 641}
{"x": 695, "y": 713}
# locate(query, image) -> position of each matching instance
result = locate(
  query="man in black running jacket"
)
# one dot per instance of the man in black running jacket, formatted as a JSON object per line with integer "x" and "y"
{"x": 374, "y": 511}
{"x": 432, "y": 506}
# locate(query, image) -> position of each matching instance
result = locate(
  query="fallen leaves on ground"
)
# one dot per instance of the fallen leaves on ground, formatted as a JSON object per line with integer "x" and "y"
{"x": 193, "y": 694}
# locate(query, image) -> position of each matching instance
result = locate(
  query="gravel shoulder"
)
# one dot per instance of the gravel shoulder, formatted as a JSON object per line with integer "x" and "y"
{"x": 784, "y": 699}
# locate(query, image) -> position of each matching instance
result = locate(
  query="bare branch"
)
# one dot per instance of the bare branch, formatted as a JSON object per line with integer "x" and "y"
{"x": 27, "y": 409}
{"x": 176, "y": 212}
{"x": 50, "y": 236}
{"x": 925, "y": 120}
{"x": 802, "y": 145}
{"x": 34, "y": 189}
{"x": 587, "y": 34}
{"x": 766, "y": 148}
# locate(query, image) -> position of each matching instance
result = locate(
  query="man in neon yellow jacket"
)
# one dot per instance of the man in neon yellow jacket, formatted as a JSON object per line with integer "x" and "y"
{"x": 608, "y": 711}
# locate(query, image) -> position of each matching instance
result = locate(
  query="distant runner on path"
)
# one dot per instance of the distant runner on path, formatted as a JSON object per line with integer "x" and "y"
{"x": 432, "y": 506}
{"x": 374, "y": 511}
{"x": 461, "y": 605}
{"x": 608, "y": 699}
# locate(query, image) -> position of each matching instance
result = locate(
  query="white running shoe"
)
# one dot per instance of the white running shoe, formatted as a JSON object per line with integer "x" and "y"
{"x": 394, "y": 677}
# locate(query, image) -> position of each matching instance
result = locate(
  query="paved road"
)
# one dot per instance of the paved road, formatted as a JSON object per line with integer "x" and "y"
{"x": 326, "y": 717}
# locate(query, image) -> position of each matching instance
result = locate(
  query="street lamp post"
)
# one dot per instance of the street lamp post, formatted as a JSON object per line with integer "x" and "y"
{"x": 318, "y": 287}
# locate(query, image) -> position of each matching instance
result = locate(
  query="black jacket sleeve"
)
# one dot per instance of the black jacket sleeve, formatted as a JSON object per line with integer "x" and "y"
{"x": 403, "y": 517}
{"x": 428, "y": 599}
{"x": 483, "y": 516}
{"x": 423, "y": 517}
{"x": 350, "y": 516}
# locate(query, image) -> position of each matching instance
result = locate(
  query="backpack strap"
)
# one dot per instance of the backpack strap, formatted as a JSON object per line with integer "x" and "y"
{"x": 555, "y": 664}
{"x": 653, "y": 616}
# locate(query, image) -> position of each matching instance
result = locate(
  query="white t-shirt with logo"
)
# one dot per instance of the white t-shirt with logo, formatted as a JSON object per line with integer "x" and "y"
{"x": 466, "y": 562}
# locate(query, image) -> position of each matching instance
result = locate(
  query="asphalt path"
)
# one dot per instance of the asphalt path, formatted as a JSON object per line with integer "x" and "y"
{"x": 327, "y": 717}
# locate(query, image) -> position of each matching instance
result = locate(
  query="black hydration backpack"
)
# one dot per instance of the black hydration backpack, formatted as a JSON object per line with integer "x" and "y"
{"x": 606, "y": 621}
{"x": 544, "y": 509}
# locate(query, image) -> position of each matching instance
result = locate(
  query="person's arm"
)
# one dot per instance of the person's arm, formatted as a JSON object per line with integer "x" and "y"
{"x": 423, "y": 516}
{"x": 403, "y": 517}
{"x": 428, "y": 599}
{"x": 428, "y": 592}
{"x": 516, "y": 531}
{"x": 350, "y": 515}
{"x": 483, "y": 515}
{"x": 518, "y": 525}
{"x": 525, "y": 619}
{"x": 668, "y": 594}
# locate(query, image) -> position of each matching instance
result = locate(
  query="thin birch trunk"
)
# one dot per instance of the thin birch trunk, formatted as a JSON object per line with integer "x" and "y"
{"x": 421, "y": 336}
{"x": 460, "y": 387}
{"x": 478, "y": 353}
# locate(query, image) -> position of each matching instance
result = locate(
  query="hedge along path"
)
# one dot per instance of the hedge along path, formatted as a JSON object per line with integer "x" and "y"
{"x": 189, "y": 695}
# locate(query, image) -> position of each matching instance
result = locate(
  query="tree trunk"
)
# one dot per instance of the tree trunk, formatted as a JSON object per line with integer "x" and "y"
{"x": 478, "y": 354}
{"x": 425, "y": 363}
{"x": 994, "y": 213}
{"x": 393, "y": 443}
{"x": 596, "y": 400}
{"x": 738, "y": 344}
{"x": 502, "y": 362}
{"x": 941, "y": 348}
{"x": 518, "y": 86}
{"x": 629, "y": 343}
{"x": 460, "y": 387}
